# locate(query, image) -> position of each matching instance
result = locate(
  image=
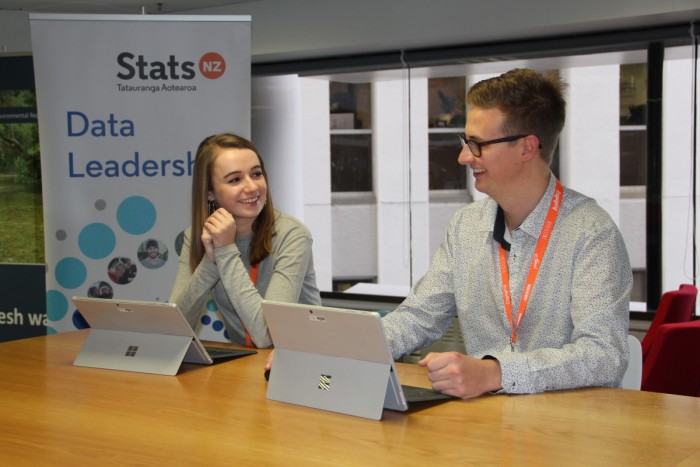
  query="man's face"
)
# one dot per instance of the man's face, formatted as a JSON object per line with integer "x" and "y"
{"x": 498, "y": 162}
{"x": 153, "y": 251}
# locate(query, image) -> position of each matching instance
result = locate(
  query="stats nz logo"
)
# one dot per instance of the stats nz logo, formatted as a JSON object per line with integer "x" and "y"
{"x": 138, "y": 73}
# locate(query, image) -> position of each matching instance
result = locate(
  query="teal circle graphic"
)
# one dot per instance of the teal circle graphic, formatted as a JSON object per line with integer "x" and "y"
{"x": 70, "y": 273}
{"x": 97, "y": 240}
{"x": 56, "y": 305}
{"x": 211, "y": 305}
{"x": 136, "y": 215}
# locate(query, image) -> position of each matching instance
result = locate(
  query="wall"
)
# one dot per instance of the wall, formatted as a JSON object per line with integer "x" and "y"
{"x": 14, "y": 32}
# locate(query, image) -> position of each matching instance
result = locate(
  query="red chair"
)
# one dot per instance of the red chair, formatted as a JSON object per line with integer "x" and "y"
{"x": 673, "y": 363}
{"x": 676, "y": 306}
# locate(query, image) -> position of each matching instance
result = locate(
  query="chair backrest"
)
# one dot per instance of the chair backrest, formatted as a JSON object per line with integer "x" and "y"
{"x": 632, "y": 379}
{"x": 673, "y": 363}
{"x": 676, "y": 306}
{"x": 690, "y": 287}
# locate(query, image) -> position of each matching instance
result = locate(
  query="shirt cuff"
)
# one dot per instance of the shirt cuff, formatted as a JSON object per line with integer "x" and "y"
{"x": 491, "y": 357}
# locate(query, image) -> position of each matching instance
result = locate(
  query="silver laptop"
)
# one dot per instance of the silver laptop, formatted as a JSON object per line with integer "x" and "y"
{"x": 337, "y": 360}
{"x": 148, "y": 337}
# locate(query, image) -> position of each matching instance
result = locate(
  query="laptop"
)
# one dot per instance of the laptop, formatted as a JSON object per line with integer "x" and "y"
{"x": 142, "y": 336}
{"x": 337, "y": 360}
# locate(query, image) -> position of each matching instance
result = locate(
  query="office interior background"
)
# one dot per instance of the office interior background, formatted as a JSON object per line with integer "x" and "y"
{"x": 356, "y": 106}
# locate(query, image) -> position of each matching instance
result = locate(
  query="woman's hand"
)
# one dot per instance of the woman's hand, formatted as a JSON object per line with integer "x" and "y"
{"x": 268, "y": 362}
{"x": 219, "y": 230}
{"x": 208, "y": 243}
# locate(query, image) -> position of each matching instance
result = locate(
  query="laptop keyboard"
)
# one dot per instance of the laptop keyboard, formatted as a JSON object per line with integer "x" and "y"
{"x": 220, "y": 352}
{"x": 416, "y": 394}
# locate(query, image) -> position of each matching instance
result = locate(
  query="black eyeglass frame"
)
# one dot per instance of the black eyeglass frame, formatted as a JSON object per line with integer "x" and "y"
{"x": 475, "y": 146}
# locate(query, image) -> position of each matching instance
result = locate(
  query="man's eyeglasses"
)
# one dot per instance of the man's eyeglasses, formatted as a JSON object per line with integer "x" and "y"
{"x": 475, "y": 146}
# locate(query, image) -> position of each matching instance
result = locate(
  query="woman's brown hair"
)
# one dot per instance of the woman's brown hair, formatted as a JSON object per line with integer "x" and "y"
{"x": 264, "y": 224}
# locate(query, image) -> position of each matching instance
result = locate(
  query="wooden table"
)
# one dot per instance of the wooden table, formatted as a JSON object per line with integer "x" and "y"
{"x": 56, "y": 414}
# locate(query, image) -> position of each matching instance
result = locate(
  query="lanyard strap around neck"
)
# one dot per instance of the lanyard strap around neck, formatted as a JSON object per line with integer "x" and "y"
{"x": 542, "y": 242}
{"x": 254, "y": 279}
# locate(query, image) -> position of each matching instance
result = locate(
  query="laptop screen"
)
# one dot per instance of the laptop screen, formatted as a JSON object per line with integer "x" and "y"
{"x": 331, "y": 359}
{"x": 149, "y": 337}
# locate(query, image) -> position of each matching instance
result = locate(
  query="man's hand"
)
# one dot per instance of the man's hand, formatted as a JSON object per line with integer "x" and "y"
{"x": 460, "y": 375}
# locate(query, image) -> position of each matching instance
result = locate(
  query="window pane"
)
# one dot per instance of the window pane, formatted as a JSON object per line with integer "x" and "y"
{"x": 633, "y": 94}
{"x": 446, "y": 108}
{"x": 633, "y": 155}
{"x": 633, "y": 98}
{"x": 445, "y": 173}
{"x": 351, "y": 162}
{"x": 350, "y": 106}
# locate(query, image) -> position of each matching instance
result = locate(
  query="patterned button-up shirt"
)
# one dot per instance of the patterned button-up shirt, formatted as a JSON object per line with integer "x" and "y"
{"x": 574, "y": 332}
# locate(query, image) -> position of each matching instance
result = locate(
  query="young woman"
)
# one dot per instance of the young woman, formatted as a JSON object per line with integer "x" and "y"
{"x": 239, "y": 249}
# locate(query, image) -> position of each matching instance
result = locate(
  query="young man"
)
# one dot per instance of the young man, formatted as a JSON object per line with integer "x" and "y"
{"x": 538, "y": 274}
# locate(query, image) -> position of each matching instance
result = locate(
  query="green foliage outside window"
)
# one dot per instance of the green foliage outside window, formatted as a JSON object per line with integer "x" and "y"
{"x": 21, "y": 215}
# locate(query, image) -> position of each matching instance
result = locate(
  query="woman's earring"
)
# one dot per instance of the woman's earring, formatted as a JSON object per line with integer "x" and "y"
{"x": 212, "y": 206}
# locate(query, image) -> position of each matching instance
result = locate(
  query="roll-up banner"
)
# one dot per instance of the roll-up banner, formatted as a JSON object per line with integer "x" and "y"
{"x": 123, "y": 101}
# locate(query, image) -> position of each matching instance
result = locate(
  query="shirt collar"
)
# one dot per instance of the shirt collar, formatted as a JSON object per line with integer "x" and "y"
{"x": 532, "y": 224}
{"x": 499, "y": 229}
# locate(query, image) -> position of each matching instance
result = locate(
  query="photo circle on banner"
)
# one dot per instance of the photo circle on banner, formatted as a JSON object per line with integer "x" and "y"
{"x": 121, "y": 270}
{"x": 152, "y": 254}
{"x": 100, "y": 289}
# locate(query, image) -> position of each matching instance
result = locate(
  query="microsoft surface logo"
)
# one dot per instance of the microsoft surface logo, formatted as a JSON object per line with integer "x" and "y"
{"x": 324, "y": 382}
{"x": 131, "y": 351}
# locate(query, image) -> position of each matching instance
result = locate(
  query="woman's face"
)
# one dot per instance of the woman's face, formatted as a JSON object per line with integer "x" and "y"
{"x": 238, "y": 184}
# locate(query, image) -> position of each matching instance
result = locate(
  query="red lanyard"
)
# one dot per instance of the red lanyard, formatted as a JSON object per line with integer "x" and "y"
{"x": 542, "y": 242}
{"x": 254, "y": 278}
